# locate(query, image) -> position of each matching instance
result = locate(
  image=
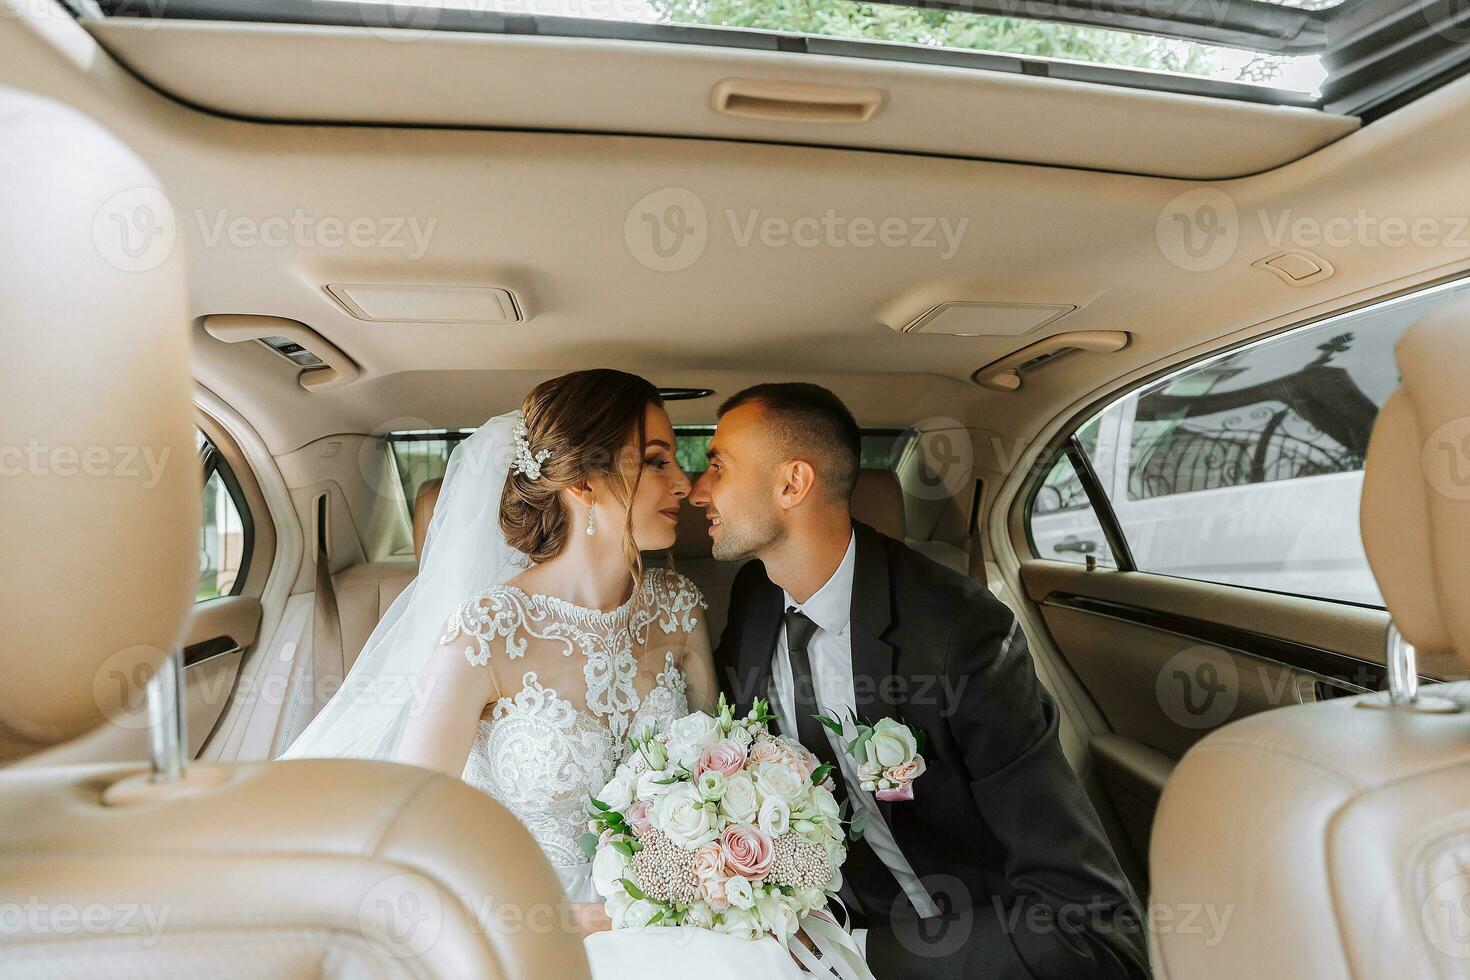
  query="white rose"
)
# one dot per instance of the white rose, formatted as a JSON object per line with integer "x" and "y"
{"x": 618, "y": 792}
{"x": 741, "y": 735}
{"x": 608, "y": 867}
{"x": 638, "y": 914}
{"x": 739, "y": 892}
{"x": 773, "y": 779}
{"x": 825, "y": 806}
{"x": 740, "y": 923}
{"x": 891, "y": 745}
{"x": 699, "y": 916}
{"x": 681, "y": 815}
{"x": 777, "y": 915}
{"x": 684, "y": 752}
{"x": 775, "y": 817}
{"x": 652, "y": 785}
{"x": 739, "y": 802}
{"x": 712, "y": 785}
{"x": 617, "y": 906}
{"x": 811, "y": 898}
{"x": 698, "y": 728}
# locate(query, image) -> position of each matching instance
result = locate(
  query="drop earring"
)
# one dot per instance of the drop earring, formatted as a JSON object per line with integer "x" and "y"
{"x": 590, "y": 511}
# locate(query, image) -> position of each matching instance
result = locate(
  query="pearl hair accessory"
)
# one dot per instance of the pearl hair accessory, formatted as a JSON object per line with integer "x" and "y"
{"x": 526, "y": 463}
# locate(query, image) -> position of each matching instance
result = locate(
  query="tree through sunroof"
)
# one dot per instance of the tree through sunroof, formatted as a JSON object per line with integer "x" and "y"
{"x": 956, "y": 29}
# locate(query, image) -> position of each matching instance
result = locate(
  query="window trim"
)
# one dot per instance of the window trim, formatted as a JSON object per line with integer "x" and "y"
{"x": 1097, "y": 495}
{"x": 213, "y": 461}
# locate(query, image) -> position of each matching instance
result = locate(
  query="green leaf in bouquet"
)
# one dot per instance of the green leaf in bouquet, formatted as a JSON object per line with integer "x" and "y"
{"x": 633, "y": 890}
{"x": 600, "y": 806}
{"x": 624, "y": 848}
{"x": 658, "y": 917}
{"x": 588, "y": 843}
{"x": 920, "y": 740}
{"x": 857, "y": 825}
{"x": 668, "y": 780}
{"x": 821, "y": 773}
{"x": 832, "y": 723}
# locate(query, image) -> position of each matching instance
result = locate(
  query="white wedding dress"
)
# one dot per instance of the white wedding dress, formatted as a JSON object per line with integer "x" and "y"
{"x": 576, "y": 683}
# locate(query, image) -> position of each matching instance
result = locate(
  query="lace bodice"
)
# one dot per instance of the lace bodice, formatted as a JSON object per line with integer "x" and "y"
{"x": 580, "y": 681}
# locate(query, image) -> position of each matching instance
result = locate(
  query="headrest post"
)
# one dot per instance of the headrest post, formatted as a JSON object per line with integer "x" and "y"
{"x": 1403, "y": 682}
{"x": 1403, "y": 668}
{"x": 168, "y": 722}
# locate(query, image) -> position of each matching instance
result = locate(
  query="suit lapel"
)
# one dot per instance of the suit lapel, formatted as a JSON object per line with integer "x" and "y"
{"x": 758, "y": 646}
{"x": 874, "y": 660}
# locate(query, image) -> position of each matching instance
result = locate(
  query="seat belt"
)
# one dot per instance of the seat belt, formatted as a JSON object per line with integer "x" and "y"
{"x": 329, "y": 662}
{"x": 306, "y": 693}
{"x": 977, "y": 551}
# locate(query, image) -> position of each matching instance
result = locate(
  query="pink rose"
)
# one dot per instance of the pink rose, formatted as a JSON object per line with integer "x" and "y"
{"x": 808, "y": 762}
{"x": 765, "y": 752}
{"x": 899, "y": 794}
{"x": 713, "y": 890}
{"x": 726, "y": 757}
{"x": 747, "y": 850}
{"x": 709, "y": 861}
{"x": 908, "y": 772}
{"x": 637, "y": 816}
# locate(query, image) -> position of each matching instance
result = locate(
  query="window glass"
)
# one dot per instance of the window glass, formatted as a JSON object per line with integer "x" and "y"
{"x": 422, "y": 456}
{"x": 1063, "y": 524}
{"x": 223, "y": 536}
{"x": 1247, "y": 469}
{"x": 881, "y": 448}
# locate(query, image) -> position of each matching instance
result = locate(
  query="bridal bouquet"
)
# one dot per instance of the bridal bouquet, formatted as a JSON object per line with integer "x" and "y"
{"x": 717, "y": 824}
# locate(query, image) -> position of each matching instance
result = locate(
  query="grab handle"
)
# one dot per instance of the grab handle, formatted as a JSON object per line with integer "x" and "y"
{"x": 796, "y": 101}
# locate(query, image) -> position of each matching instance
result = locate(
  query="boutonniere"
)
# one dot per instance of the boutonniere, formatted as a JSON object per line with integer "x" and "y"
{"x": 889, "y": 755}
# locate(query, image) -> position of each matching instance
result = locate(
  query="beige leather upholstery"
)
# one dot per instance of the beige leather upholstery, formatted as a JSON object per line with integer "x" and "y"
{"x": 1328, "y": 840}
{"x": 84, "y": 336}
{"x": 303, "y": 869}
{"x": 423, "y": 509}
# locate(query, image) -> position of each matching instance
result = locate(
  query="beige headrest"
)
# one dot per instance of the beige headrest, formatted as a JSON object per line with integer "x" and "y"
{"x": 99, "y": 479}
{"x": 1416, "y": 486}
{"x": 424, "y": 503}
{"x": 877, "y": 500}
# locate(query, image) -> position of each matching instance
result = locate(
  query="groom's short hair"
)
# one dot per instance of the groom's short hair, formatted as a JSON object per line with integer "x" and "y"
{"x": 809, "y": 422}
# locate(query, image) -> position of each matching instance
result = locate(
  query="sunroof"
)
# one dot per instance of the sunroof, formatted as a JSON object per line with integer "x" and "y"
{"x": 1356, "y": 57}
{"x": 930, "y": 26}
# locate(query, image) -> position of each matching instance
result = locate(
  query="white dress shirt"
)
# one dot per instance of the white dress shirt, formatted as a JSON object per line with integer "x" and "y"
{"x": 830, "y": 651}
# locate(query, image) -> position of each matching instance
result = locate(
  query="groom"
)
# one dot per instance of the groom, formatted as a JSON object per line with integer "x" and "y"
{"x": 998, "y": 867}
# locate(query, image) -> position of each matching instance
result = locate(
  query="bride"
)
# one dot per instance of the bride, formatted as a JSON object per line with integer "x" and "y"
{"x": 536, "y": 641}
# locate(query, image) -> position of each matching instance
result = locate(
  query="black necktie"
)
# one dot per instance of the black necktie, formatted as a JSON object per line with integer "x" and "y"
{"x": 810, "y": 732}
{"x": 868, "y": 883}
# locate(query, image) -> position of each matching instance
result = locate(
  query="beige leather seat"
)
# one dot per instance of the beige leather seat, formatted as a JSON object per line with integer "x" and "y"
{"x": 1330, "y": 840}
{"x": 301, "y": 869}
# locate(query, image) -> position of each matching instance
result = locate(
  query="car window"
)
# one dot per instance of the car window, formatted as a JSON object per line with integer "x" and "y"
{"x": 225, "y": 535}
{"x": 1245, "y": 469}
{"x": 423, "y": 455}
{"x": 1064, "y": 525}
{"x": 881, "y": 448}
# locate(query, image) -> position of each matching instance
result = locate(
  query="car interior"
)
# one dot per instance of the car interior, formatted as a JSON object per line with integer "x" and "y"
{"x": 1169, "y": 360}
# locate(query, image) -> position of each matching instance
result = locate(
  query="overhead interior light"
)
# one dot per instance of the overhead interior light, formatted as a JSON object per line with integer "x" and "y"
{"x": 291, "y": 351}
{"x": 427, "y": 304}
{"x": 975, "y": 319}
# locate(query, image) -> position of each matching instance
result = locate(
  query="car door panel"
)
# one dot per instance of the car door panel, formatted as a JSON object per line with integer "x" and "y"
{"x": 1167, "y": 660}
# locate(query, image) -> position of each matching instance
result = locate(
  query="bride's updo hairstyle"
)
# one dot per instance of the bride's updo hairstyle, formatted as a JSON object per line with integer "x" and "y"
{"x": 585, "y": 420}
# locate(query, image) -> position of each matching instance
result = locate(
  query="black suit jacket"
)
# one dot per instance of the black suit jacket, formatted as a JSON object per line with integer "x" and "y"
{"x": 1000, "y": 831}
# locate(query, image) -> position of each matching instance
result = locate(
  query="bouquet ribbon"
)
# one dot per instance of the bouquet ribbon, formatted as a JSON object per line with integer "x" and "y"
{"x": 840, "y": 953}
